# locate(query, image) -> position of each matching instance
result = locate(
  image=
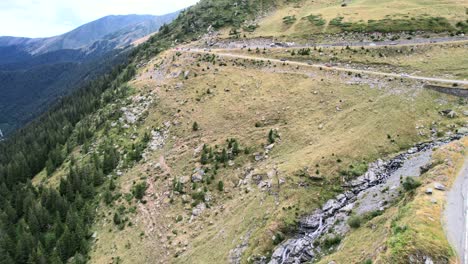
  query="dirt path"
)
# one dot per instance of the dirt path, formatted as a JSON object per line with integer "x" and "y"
{"x": 270, "y": 43}
{"x": 323, "y": 67}
{"x": 456, "y": 214}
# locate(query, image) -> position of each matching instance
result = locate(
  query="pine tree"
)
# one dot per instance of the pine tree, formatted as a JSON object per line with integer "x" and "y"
{"x": 65, "y": 245}
{"x": 112, "y": 184}
{"x": 25, "y": 244}
{"x": 235, "y": 148}
{"x": 195, "y": 126}
{"x": 224, "y": 156}
{"x": 220, "y": 186}
{"x": 117, "y": 219}
{"x": 271, "y": 136}
{"x": 50, "y": 168}
{"x": 204, "y": 158}
{"x": 108, "y": 197}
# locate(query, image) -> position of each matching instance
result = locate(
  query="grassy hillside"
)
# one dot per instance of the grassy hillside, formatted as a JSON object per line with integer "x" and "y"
{"x": 189, "y": 157}
{"x": 306, "y": 18}
{"x": 318, "y": 117}
{"x": 439, "y": 60}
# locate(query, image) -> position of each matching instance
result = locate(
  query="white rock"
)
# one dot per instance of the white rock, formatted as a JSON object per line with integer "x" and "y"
{"x": 197, "y": 176}
{"x": 348, "y": 208}
{"x": 270, "y": 147}
{"x": 198, "y": 209}
{"x": 439, "y": 186}
{"x": 412, "y": 150}
{"x": 184, "y": 179}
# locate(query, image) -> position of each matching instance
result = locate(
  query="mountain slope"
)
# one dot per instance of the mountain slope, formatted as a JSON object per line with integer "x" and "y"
{"x": 34, "y": 72}
{"x": 217, "y": 148}
{"x": 115, "y": 29}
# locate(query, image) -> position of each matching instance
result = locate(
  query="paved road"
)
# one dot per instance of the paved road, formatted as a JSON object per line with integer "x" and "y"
{"x": 456, "y": 214}
{"x": 340, "y": 69}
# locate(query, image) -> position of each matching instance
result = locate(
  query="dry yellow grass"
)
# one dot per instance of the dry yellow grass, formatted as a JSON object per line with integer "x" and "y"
{"x": 320, "y": 117}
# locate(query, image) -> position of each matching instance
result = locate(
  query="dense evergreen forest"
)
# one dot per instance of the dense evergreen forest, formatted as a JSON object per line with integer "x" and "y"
{"x": 29, "y": 86}
{"x": 42, "y": 224}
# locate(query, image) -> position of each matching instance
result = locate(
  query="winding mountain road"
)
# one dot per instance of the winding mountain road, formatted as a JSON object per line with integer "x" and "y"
{"x": 456, "y": 214}
{"x": 223, "y": 53}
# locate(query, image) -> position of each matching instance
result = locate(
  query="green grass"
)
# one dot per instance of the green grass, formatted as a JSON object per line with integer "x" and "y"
{"x": 428, "y": 24}
{"x": 362, "y": 16}
{"x": 442, "y": 60}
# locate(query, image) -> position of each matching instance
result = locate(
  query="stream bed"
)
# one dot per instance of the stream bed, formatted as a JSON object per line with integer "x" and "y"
{"x": 372, "y": 192}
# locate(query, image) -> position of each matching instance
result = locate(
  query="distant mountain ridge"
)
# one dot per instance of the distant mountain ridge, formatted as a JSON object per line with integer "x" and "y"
{"x": 118, "y": 30}
{"x": 34, "y": 72}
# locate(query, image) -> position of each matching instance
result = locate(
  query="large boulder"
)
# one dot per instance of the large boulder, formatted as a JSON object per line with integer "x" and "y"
{"x": 198, "y": 209}
{"x": 197, "y": 175}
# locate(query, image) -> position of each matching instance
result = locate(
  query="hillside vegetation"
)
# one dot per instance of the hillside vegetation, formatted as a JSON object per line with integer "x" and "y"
{"x": 187, "y": 156}
{"x": 35, "y": 72}
{"x": 309, "y": 19}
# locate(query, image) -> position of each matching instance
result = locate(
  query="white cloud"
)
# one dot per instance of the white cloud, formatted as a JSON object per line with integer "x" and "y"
{"x": 44, "y": 18}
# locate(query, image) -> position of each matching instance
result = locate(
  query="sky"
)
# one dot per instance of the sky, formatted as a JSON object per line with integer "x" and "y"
{"x": 46, "y": 18}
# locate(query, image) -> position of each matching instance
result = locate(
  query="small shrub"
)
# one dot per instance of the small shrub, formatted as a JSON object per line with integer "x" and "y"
{"x": 139, "y": 190}
{"x": 278, "y": 238}
{"x": 331, "y": 241}
{"x": 178, "y": 186}
{"x": 271, "y": 136}
{"x": 198, "y": 196}
{"x": 316, "y": 20}
{"x": 195, "y": 126}
{"x": 288, "y": 20}
{"x": 410, "y": 184}
{"x": 117, "y": 218}
{"x": 304, "y": 52}
{"x": 354, "y": 221}
{"x": 108, "y": 197}
{"x": 220, "y": 186}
